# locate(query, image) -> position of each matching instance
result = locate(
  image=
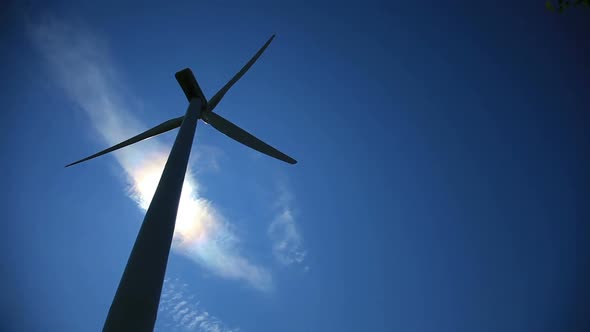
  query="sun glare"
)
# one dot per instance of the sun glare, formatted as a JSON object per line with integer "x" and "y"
{"x": 195, "y": 218}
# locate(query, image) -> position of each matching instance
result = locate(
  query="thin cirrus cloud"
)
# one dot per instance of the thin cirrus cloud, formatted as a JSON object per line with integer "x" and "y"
{"x": 286, "y": 237}
{"x": 80, "y": 63}
{"x": 184, "y": 313}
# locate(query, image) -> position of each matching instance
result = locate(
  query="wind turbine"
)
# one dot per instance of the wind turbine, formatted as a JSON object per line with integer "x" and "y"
{"x": 135, "y": 305}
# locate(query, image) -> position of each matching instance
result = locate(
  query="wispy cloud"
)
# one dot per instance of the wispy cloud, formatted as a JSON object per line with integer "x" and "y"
{"x": 284, "y": 232}
{"x": 183, "y": 313}
{"x": 83, "y": 69}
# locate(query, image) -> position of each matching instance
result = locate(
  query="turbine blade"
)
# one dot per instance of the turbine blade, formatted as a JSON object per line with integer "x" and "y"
{"x": 240, "y": 135}
{"x": 217, "y": 97}
{"x": 159, "y": 129}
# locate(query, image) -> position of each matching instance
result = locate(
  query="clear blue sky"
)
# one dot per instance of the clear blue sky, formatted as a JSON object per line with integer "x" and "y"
{"x": 442, "y": 182}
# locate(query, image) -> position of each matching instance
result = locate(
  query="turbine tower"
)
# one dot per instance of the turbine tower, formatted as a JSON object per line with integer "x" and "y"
{"x": 135, "y": 305}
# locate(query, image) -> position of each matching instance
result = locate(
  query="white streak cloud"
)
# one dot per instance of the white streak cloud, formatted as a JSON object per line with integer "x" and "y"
{"x": 283, "y": 231}
{"x": 82, "y": 68}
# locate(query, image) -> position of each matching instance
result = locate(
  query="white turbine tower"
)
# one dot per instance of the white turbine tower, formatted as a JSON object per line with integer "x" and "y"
{"x": 135, "y": 305}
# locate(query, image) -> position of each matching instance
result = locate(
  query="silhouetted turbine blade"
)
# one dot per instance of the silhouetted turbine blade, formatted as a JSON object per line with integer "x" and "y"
{"x": 240, "y": 135}
{"x": 217, "y": 98}
{"x": 159, "y": 129}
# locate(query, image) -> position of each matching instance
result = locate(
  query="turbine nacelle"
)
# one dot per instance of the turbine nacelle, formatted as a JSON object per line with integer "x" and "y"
{"x": 189, "y": 85}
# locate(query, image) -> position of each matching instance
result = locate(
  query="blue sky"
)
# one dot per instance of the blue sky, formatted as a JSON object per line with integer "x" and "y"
{"x": 441, "y": 181}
